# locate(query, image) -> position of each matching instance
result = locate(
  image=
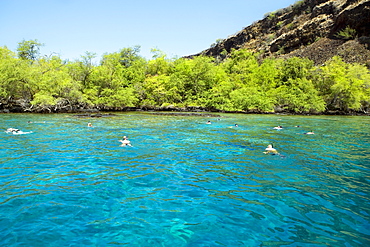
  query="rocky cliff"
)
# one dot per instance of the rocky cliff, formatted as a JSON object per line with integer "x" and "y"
{"x": 316, "y": 29}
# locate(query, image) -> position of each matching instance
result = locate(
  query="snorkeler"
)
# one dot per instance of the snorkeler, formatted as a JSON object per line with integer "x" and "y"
{"x": 235, "y": 125}
{"x": 309, "y": 133}
{"x": 15, "y": 131}
{"x": 270, "y": 150}
{"x": 12, "y": 130}
{"x": 125, "y": 141}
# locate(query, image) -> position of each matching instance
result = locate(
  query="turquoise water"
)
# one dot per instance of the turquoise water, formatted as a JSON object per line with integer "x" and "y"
{"x": 184, "y": 182}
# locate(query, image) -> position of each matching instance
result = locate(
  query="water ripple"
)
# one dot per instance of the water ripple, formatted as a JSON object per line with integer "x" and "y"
{"x": 185, "y": 183}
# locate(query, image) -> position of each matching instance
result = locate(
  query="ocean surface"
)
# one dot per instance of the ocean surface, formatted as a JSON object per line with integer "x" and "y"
{"x": 184, "y": 182}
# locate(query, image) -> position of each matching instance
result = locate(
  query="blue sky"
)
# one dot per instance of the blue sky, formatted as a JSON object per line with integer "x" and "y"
{"x": 178, "y": 28}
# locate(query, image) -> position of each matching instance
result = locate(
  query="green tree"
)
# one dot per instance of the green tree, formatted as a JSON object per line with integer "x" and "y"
{"x": 113, "y": 83}
{"x": 159, "y": 64}
{"x": 241, "y": 67}
{"x": 158, "y": 92}
{"x": 251, "y": 98}
{"x": 299, "y": 95}
{"x": 219, "y": 94}
{"x": 193, "y": 79}
{"x": 345, "y": 86}
{"x": 295, "y": 68}
{"x": 15, "y": 79}
{"x": 250, "y": 83}
{"x": 267, "y": 75}
{"x": 29, "y": 49}
{"x": 86, "y": 66}
{"x": 129, "y": 55}
{"x": 53, "y": 87}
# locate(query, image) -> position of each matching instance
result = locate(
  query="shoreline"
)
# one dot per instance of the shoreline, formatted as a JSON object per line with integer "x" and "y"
{"x": 186, "y": 111}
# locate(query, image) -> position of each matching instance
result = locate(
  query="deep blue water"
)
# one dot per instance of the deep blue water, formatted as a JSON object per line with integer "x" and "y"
{"x": 184, "y": 182}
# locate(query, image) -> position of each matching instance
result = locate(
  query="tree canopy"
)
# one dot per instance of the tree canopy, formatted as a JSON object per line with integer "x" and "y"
{"x": 241, "y": 82}
{"x": 29, "y": 49}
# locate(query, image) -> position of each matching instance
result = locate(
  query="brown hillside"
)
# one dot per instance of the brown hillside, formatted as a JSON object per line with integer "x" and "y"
{"x": 316, "y": 29}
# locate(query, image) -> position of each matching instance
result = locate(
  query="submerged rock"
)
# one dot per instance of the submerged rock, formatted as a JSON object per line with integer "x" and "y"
{"x": 97, "y": 115}
{"x": 185, "y": 114}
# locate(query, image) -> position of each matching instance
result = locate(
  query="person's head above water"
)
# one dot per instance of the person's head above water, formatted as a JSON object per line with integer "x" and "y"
{"x": 270, "y": 150}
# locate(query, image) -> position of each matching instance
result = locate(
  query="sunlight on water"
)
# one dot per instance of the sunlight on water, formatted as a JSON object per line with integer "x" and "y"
{"x": 184, "y": 182}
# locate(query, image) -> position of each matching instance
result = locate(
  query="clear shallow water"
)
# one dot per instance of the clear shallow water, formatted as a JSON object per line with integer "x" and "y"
{"x": 184, "y": 183}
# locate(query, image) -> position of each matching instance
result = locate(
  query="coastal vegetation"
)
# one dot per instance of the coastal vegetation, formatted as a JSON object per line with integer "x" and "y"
{"x": 123, "y": 79}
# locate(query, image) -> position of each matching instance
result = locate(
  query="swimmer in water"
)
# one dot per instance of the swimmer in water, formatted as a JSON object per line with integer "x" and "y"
{"x": 270, "y": 150}
{"x": 208, "y": 122}
{"x": 125, "y": 141}
{"x": 236, "y": 125}
{"x": 15, "y": 131}
{"x": 12, "y": 130}
{"x": 278, "y": 127}
{"x": 89, "y": 125}
{"x": 309, "y": 133}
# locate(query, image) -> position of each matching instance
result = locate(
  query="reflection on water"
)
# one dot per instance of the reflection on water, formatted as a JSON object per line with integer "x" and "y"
{"x": 184, "y": 182}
